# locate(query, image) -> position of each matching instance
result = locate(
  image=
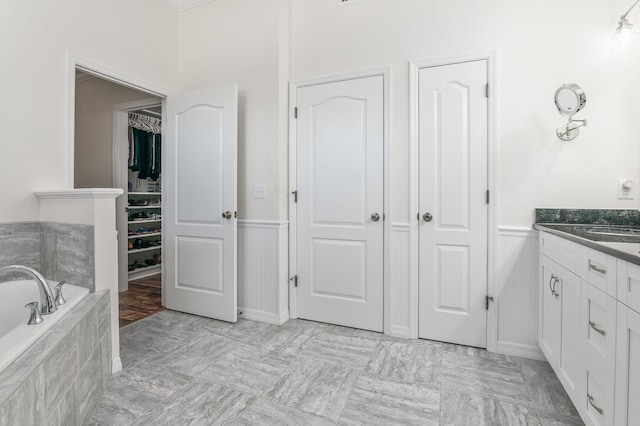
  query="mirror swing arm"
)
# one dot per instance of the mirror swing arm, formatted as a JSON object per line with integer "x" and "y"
{"x": 569, "y": 99}
{"x": 570, "y": 130}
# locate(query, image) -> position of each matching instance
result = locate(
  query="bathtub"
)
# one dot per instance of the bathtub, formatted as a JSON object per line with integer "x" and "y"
{"x": 15, "y": 335}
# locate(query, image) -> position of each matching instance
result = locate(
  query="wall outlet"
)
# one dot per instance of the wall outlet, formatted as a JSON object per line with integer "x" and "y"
{"x": 626, "y": 189}
{"x": 260, "y": 191}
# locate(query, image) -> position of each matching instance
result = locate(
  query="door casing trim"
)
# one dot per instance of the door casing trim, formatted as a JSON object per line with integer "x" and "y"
{"x": 384, "y": 71}
{"x": 491, "y": 56}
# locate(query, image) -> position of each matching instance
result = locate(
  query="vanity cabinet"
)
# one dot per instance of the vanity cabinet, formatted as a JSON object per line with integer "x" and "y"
{"x": 589, "y": 329}
{"x": 559, "y": 332}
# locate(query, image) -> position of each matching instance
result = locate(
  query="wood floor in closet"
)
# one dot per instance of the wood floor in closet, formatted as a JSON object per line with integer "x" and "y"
{"x": 141, "y": 299}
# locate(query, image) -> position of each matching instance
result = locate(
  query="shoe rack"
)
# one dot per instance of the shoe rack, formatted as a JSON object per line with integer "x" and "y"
{"x": 144, "y": 240}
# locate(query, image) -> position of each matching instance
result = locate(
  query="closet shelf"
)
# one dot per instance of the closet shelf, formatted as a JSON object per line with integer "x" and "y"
{"x": 143, "y": 207}
{"x": 144, "y": 272}
{"x": 144, "y": 249}
{"x": 144, "y": 193}
{"x": 154, "y": 234}
{"x": 144, "y": 221}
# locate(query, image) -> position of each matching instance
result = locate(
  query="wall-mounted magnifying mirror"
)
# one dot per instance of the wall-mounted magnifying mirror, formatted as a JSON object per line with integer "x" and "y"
{"x": 570, "y": 99}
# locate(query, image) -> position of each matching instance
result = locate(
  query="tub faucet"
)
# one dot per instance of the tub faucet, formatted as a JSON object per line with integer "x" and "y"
{"x": 47, "y": 300}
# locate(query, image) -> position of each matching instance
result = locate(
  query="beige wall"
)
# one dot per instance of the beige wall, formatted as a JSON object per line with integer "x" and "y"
{"x": 95, "y": 101}
{"x": 135, "y": 38}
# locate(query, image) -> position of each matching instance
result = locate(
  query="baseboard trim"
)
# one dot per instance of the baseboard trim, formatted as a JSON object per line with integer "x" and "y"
{"x": 116, "y": 365}
{"x": 400, "y": 331}
{"x": 518, "y": 349}
{"x": 262, "y": 316}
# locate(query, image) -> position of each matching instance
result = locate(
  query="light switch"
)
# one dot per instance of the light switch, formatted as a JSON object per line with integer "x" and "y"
{"x": 260, "y": 191}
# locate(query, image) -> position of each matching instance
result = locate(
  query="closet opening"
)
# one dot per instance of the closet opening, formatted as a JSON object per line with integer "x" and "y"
{"x": 118, "y": 144}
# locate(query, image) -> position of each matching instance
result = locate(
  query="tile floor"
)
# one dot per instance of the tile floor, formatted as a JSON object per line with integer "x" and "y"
{"x": 181, "y": 369}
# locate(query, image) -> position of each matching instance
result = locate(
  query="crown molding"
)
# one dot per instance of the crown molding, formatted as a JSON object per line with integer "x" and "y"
{"x": 180, "y": 5}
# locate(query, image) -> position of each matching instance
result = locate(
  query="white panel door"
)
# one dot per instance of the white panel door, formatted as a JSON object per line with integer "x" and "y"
{"x": 453, "y": 144}
{"x": 199, "y": 179}
{"x": 340, "y": 200}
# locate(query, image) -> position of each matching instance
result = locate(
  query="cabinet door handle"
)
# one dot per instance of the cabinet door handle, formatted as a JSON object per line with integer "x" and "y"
{"x": 555, "y": 293}
{"x": 597, "y": 330}
{"x": 595, "y": 407}
{"x": 553, "y": 277}
{"x": 593, "y": 267}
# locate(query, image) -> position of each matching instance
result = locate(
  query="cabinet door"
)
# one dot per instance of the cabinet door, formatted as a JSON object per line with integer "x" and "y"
{"x": 599, "y": 328}
{"x": 571, "y": 366}
{"x": 627, "y": 367}
{"x": 549, "y": 310}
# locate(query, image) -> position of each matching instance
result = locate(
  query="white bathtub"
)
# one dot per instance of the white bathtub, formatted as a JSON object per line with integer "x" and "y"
{"x": 15, "y": 335}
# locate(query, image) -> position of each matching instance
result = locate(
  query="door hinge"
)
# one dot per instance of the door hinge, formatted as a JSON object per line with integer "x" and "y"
{"x": 488, "y": 299}
{"x": 295, "y": 280}
{"x": 295, "y": 196}
{"x": 487, "y": 196}
{"x": 295, "y": 112}
{"x": 486, "y": 93}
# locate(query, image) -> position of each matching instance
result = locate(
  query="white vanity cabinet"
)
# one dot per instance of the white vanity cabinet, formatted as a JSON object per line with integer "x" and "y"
{"x": 589, "y": 329}
{"x": 559, "y": 333}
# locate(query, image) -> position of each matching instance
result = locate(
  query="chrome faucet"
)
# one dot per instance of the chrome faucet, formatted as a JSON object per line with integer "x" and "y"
{"x": 47, "y": 299}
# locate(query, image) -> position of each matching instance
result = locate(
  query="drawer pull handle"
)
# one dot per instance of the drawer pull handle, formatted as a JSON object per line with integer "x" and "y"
{"x": 596, "y": 329}
{"x": 595, "y": 407}
{"x": 553, "y": 277}
{"x": 593, "y": 267}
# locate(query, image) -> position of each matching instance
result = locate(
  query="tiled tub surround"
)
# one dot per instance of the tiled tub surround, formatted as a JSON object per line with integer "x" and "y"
{"x": 61, "y": 377}
{"x": 59, "y": 251}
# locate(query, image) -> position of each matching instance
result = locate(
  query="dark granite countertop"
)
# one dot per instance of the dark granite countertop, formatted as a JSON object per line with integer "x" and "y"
{"x": 614, "y": 232}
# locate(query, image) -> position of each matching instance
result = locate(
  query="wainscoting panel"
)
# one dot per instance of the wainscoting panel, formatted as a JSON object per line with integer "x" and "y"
{"x": 262, "y": 271}
{"x": 517, "y": 291}
{"x": 400, "y": 303}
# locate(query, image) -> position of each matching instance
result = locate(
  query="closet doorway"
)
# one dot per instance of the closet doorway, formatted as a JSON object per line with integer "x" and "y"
{"x": 111, "y": 121}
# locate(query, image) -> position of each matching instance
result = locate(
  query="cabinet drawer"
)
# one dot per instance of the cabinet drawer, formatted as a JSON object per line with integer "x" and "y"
{"x": 563, "y": 252}
{"x": 629, "y": 284}
{"x": 599, "y": 323}
{"x": 600, "y": 270}
{"x": 597, "y": 402}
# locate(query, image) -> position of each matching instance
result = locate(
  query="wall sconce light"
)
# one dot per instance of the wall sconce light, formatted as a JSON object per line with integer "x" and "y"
{"x": 625, "y": 31}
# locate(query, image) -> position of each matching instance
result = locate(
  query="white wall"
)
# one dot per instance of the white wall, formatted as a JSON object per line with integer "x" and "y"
{"x": 540, "y": 45}
{"x": 95, "y": 100}
{"x": 239, "y": 41}
{"x": 136, "y": 38}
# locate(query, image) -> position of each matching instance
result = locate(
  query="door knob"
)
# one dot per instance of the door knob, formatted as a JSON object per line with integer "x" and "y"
{"x": 375, "y": 217}
{"x": 227, "y": 215}
{"x": 427, "y": 217}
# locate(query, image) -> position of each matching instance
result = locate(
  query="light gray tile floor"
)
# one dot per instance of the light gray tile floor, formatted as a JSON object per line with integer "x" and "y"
{"x": 181, "y": 369}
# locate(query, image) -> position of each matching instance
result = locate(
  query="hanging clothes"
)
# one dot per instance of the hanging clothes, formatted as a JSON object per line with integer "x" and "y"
{"x": 144, "y": 146}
